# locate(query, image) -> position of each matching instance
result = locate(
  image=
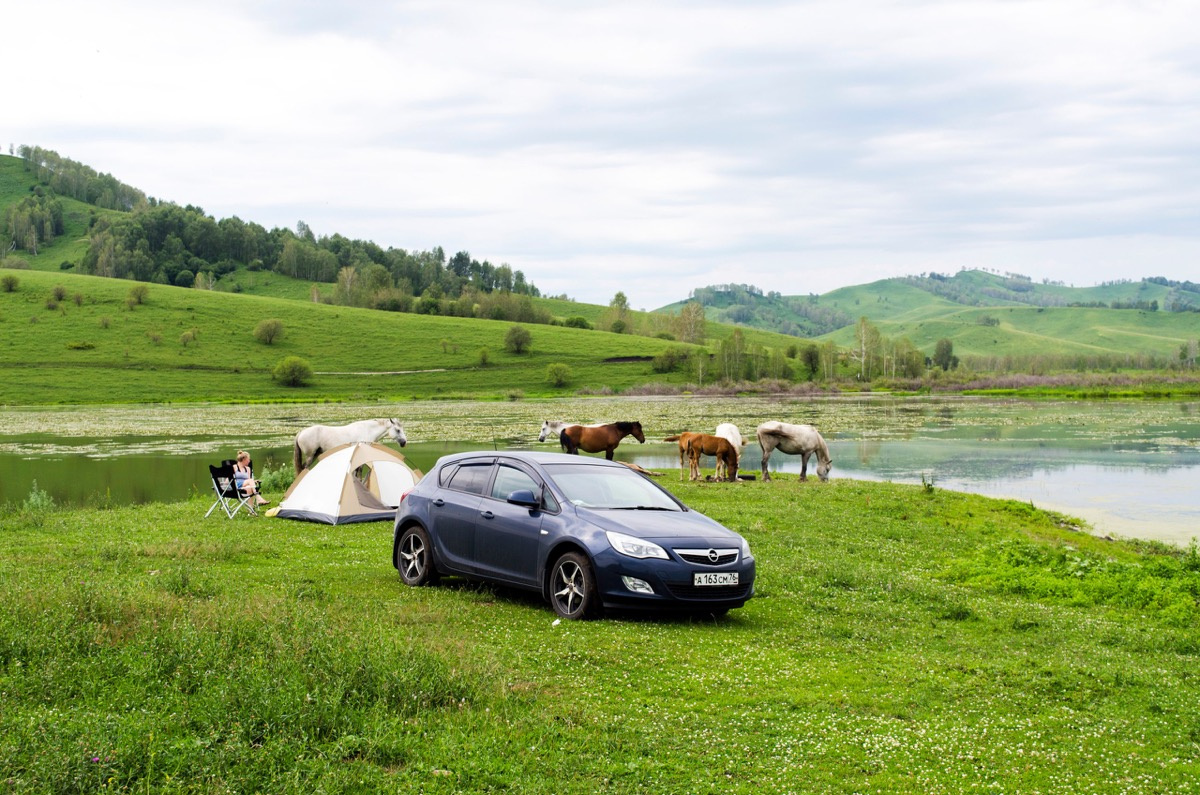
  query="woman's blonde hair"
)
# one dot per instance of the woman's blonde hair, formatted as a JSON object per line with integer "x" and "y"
{"x": 242, "y": 454}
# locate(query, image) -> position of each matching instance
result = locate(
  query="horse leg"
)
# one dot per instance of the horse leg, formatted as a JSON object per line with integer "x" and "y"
{"x": 804, "y": 465}
{"x": 608, "y": 452}
{"x": 767, "y": 447}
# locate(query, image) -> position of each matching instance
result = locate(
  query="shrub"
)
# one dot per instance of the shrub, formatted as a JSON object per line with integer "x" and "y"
{"x": 187, "y": 337}
{"x": 276, "y": 480}
{"x": 292, "y": 371}
{"x": 268, "y": 330}
{"x": 484, "y": 357}
{"x": 9, "y": 283}
{"x": 558, "y": 374}
{"x": 105, "y": 321}
{"x": 670, "y": 359}
{"x": 38, "y": 500}
{"x": 517, "y": 339}
{"x": 59, "y": 292}
{"x": 78, "y": 299}
{"x": 577, "y": 322}
{"x": 138, "y": 293}
{"x": 185, "y": 278}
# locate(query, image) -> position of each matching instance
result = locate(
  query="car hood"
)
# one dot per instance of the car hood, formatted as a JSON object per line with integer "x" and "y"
{"x": 658, "y": 525}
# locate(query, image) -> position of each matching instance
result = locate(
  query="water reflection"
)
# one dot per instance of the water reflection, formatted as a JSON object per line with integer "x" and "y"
{"x": 1129, "y": 467}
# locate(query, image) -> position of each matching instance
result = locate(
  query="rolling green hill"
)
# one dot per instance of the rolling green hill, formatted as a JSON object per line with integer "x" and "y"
{"x": 989, "y": 317}
{"x": 985, "y": 315}
{"x": 182, "y": 344}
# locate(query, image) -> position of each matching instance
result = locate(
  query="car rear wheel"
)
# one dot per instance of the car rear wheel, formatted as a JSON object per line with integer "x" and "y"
{"x": 414, "y": 557}
{"x": 573, "y": 587}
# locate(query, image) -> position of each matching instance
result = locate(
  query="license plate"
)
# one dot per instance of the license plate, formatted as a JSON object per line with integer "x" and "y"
{"x": 702, "y": 578}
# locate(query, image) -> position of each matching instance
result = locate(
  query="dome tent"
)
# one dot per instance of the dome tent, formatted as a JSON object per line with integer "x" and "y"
{"x": 359, "y": 482}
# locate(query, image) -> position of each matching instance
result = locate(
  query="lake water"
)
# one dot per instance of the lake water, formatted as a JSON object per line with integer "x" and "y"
{"x": 1130, "y": 468}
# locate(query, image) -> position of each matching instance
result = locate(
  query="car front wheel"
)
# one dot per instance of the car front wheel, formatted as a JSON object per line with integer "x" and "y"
{"x": 414, "y": 557}
{"x": 573, "y": 587}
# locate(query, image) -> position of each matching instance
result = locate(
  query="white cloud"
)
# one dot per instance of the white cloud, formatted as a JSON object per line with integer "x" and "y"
{"x": 650, "y": 147}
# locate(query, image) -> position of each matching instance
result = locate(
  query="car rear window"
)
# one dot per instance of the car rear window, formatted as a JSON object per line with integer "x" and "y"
{"x": 471, "y": 478}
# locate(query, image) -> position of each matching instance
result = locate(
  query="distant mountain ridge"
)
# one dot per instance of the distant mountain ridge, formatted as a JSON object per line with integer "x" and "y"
{"x": 926, "y": 294}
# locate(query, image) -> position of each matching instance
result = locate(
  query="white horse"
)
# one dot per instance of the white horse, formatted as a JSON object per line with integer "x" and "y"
{"x": 316, "y": 439}
{"x": 802, "y": 440}
{"x": 730, "y": 432}
{"x": 552, "y": 428}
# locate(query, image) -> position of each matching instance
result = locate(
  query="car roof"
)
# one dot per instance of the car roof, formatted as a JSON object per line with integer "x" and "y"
{"x": 531, "y": 456}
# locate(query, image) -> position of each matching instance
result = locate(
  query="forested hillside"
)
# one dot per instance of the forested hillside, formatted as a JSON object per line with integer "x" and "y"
{"x": 47, "y": 199}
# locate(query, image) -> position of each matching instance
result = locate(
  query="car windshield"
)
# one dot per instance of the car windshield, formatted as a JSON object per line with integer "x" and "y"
{"x": 590, "y": 486}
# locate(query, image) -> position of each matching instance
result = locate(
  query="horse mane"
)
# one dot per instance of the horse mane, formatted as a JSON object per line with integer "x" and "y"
{"x": 627, "y": 427}
{"x": 823, "y": 450}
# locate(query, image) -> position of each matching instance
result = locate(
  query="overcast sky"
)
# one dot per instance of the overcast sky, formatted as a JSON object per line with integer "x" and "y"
{"x": 649, "y": 147}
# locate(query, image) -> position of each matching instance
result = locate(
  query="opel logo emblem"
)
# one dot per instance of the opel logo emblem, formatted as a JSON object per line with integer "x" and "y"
{"x": 713, "y": 556}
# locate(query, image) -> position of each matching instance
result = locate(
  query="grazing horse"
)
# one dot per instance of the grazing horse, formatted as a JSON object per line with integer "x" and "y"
{"x": 316, "y": 439}
{"x": 802, "y": 440}
{"x": 730, "y": 431}
{"x": 693, "y": 445}
{"x": 552, "y": 428}
{"x": 594, "y": 438}
{"x": 716, "y": 446}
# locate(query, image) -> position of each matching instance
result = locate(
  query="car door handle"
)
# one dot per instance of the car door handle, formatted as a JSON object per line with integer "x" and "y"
{"x": 487, "y": 514}
{"x": 439, "y": 502}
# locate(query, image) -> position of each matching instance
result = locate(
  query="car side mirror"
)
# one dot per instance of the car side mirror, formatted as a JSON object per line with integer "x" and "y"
{"x": 524, "y": 498}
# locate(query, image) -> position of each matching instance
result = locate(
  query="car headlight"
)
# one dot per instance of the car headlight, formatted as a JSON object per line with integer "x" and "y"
{"x": 635, "y": 547}
{"x": 746, "y": 549}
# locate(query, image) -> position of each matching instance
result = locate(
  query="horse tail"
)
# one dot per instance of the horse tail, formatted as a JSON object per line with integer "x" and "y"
{"x": 297, "y": 458}
{"x": 674, "y": 438}
{"x": 568, "y": 444}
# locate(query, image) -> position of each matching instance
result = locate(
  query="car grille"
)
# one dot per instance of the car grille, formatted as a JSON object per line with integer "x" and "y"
{"x": 723, "y": 592}
{"x": 708, "y": 557}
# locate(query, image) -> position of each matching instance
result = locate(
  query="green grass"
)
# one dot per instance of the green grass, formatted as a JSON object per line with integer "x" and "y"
{"x": 1027, "y": 332}
{"x": 901, "y": 641}
{"x": 101, "y": 349}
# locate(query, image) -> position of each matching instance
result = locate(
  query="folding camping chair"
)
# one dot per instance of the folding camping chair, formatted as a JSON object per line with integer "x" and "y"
{"x": 229, "y": 496}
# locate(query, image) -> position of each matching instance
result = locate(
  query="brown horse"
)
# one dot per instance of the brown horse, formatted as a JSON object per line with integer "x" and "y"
{"x": 716, "y": 446}
{"x": 683, "y": 439}
{"x": 594, "y": 438}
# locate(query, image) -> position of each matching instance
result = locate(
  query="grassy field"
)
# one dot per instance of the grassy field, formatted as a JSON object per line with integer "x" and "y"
{"x": 902, "y": 640}
{"x": 184, "y": 344}
{"x": 1033, "y": 331}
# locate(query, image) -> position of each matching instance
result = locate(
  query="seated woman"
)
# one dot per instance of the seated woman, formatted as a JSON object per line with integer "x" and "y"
{"x": 243, "y": 478}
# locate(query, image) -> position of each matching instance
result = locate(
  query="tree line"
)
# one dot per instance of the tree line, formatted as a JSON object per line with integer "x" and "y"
{"x": 166, "y": 243}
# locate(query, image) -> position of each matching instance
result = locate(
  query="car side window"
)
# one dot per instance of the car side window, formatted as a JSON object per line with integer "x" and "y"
{"x": 471, "y": 478}
{"x": 510, "y": 479}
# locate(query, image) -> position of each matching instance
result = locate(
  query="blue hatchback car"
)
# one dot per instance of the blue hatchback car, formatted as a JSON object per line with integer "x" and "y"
{"x": 584, "y": 532}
